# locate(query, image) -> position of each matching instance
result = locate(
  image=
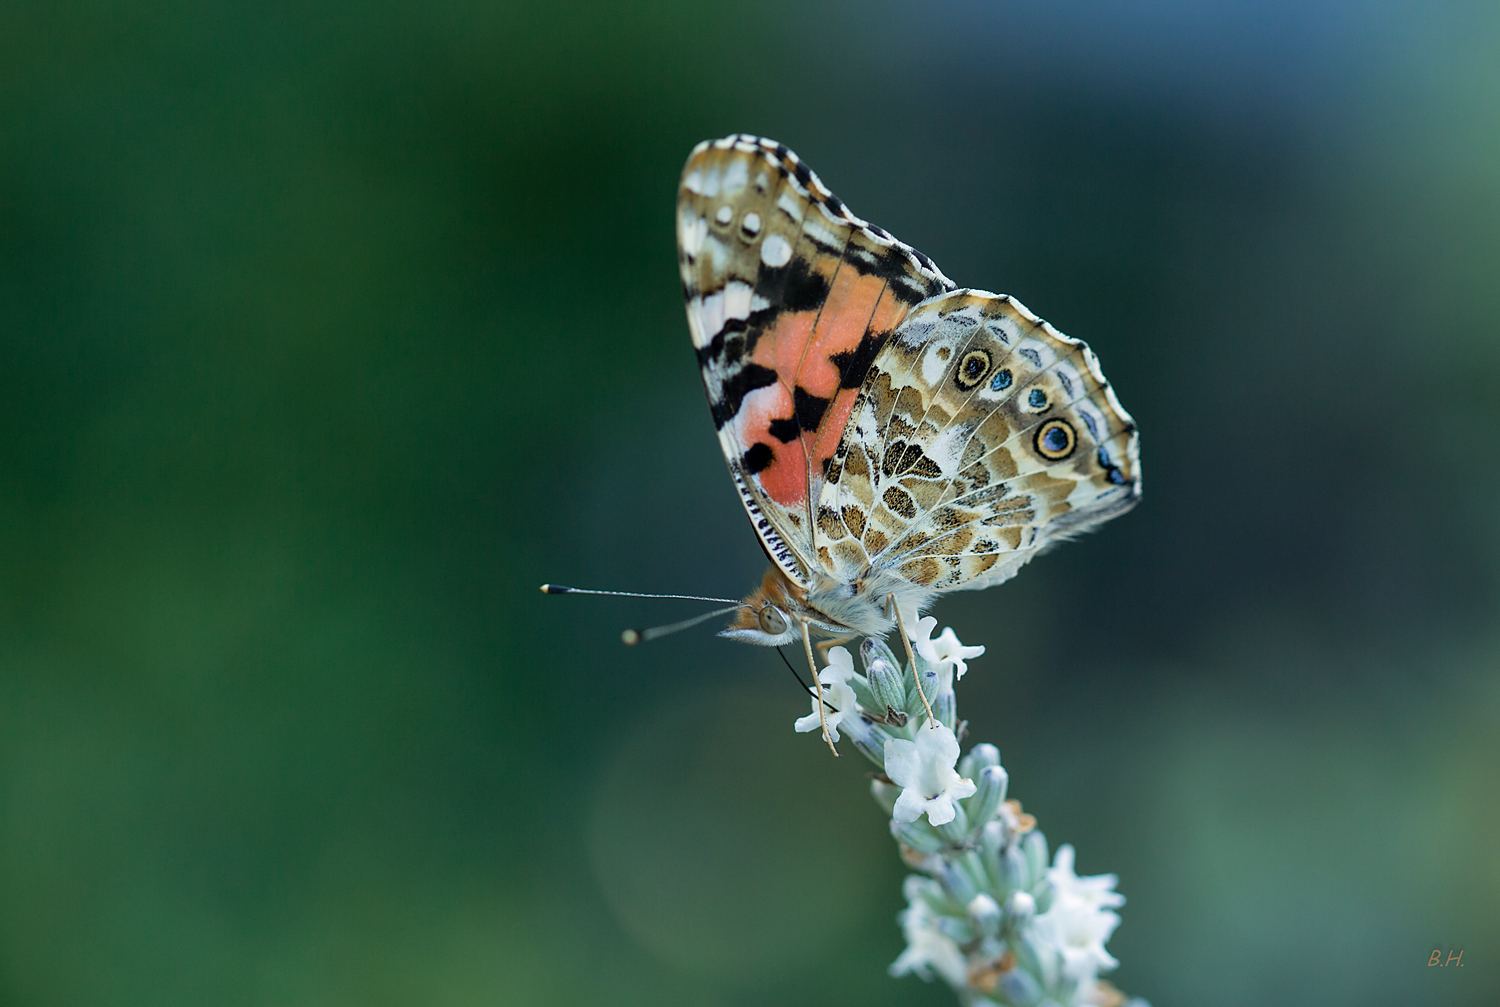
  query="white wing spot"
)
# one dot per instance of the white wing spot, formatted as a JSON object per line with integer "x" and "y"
{"x": 791, "y": 205}
{"x": 737, "y": 300}
{"x": 814, "y": 229}
{"x": 695, "y": 322}
{"x": 775, "y": 251}
{"x": 711, "y": 317}
{"x": 725, "y": 214}
{"x": 693, "y": 232}
{"x": 694, "y": 182}
{"x": 736, "y": 176}
{"x": 751, "y": 223}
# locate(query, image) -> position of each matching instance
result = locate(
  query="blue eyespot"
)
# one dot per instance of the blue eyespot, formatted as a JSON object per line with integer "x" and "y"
{"x": 1056, "y": 439}
{"x": 1038, "y": 398}
{"x": 1001, "y": 380}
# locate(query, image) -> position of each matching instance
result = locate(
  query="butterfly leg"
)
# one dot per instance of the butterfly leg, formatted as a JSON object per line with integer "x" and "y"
{"x": 825, "y": 646}
{"x": 822, "y": 716}
{"x": 912, "y": 657}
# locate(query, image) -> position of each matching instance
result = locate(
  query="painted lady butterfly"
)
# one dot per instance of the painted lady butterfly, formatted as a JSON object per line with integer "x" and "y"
{"x": 892, "y": 436}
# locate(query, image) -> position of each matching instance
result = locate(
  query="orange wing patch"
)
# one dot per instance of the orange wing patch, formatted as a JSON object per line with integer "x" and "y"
{"x": 790, "y": 297}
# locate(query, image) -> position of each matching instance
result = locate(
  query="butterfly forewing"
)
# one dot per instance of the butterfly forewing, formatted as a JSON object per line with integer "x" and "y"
{"x": 790, "y": 298}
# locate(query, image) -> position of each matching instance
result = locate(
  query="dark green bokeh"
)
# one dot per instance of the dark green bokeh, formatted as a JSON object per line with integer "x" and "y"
{"x": 330, "y": 331}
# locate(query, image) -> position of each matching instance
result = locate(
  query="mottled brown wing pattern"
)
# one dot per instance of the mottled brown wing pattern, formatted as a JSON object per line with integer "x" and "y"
{"x": 790, "y": 297}
{"x": 981, "y": 435}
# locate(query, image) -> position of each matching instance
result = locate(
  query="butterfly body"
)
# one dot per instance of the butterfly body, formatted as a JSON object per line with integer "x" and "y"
{"x": 891, "y": 436}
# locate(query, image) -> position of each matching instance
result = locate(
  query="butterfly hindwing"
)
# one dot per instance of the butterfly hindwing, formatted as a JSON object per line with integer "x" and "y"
{"x": 790, "y": 299}
{"x": 981, "y": 436}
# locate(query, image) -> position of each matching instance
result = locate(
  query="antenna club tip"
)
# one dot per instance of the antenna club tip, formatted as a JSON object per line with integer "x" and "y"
{"x": 554, "y": 589}
{"x": 630, "y": 638}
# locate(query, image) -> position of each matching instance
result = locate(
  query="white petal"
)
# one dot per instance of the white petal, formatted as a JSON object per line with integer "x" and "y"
{"x": 902, "y": 762}
{"x": 937, "y": 744}
{"x": 909, "y": 805}
{"x": 939, "y": 809}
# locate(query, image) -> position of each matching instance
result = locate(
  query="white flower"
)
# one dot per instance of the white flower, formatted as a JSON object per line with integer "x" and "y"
{"x": 924, "y": 770}
{"x": 1097, "y": 890}
{"x": 1079, "y": 921}
{"x": 946, "y": 654}
{"x": 927, "y": 947}
{"x": 1078, "y": 931}
{"x": 838, "y": 698}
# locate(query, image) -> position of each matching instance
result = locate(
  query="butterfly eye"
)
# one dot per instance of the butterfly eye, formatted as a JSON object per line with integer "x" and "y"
{"x": 1001, "y": 381}
{"x": 972, "y": 369}
{"x": 1055, "y": 440}
{"x": 772, "y": 621}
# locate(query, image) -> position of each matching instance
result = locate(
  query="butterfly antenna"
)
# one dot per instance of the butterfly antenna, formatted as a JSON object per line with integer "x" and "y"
{"x": 631, "y": 637}
{"x": 560, "y": 589}
{"x": 792, "y": 668}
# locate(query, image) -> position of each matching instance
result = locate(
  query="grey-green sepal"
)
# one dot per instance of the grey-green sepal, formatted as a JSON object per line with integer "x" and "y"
{"x": 991, "y": 783}
{"x": 929, "y": 679}
{"x": 888, "y": 688}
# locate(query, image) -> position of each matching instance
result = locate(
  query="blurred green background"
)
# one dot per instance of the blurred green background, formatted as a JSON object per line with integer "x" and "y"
{"x": 331, "y": 330}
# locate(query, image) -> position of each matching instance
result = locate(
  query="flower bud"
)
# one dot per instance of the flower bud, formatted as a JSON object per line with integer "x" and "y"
{"x": 869, "y": 739}
{"x": 1012, "y": 870}
{"x": 888, "y": 688}
{"x": 1020, "y": 910}
{"x": 977, "y": 758}
{"x": 985, "y": 912}
{"x": 959, "y": 886}
{"x": 945, "y": 707}
{"x": 957, "y": 930}
{"x": 1020, "y": 988}
{"x": 919, "y": 837}
{"x": 930, "y": 684}
{"x": 992, "y": 842}
{"x": 992, "y": 782}
{"x": 928, "y": 892}
{"x": 1035, "y": 848}
{"x": 873, "y": 650}
{"x": 1035, "y": 955}
{"x": 956, "y": 831}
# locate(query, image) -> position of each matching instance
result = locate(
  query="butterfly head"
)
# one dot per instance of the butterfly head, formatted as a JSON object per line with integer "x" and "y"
{"x": 773, "y": 614}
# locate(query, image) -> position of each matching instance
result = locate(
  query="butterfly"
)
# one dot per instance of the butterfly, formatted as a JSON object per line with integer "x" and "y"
{"x": 892, "y": 436}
